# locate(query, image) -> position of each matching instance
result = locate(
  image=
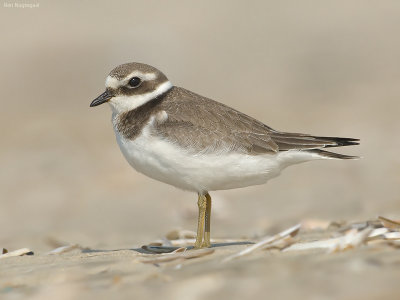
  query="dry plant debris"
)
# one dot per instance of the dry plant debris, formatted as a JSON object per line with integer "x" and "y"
{"x": 19, "y": 252}
{"x": 159, "y": 249}
{"x": 181, "y": 255}
{"x": 177, "y": 245}
{"x": 64, "y": 249}
{"x": 183, "y": 238}
{"x": 178, "y": 234}
{"x": 352, "y": 239}
{"x": 390, "y": 224}
{"x": 346, "y": 237}
{"x": 267, "y": 241}
{"x": 354, "y": 235}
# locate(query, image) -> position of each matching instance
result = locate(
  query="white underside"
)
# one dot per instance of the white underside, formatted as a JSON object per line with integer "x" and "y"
{"x": 169, "y": 163}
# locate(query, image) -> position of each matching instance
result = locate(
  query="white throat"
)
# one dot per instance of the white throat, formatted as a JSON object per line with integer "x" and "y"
{"x": 121, "y": 104}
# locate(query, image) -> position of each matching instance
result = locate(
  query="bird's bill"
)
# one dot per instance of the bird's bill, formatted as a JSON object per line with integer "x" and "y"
{"x": 103, "y": 98}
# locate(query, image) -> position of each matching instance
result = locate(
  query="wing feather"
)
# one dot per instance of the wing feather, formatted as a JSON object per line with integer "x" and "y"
{"x": 203, "y": 125}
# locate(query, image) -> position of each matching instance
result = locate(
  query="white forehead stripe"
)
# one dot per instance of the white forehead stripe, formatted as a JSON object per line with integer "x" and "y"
{"x": 114, "y": 83}
{"x": 145, "y": 76}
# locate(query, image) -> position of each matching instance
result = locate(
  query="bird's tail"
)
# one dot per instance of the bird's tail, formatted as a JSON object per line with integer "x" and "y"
{"x": 313, "y": 144}
{"x": 328, "y": 154}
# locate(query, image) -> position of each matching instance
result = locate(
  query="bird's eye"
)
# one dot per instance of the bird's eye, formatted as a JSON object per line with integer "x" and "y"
{"x": 134, "y": 82}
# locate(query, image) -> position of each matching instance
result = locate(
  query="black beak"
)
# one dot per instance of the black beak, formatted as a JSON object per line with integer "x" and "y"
{"x": 103, "y": 98}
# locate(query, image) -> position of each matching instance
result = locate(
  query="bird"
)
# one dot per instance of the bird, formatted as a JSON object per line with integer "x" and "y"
{"x": 196, "y": 144}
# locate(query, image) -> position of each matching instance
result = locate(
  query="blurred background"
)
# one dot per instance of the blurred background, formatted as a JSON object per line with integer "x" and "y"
{"x": 324, "y": 68}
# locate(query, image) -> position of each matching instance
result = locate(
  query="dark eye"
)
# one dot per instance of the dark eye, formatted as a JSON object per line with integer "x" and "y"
{"x": 134, "y": 82}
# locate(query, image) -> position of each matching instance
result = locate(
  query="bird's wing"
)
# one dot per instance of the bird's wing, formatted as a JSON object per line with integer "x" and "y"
{"x": 203, "y": 125}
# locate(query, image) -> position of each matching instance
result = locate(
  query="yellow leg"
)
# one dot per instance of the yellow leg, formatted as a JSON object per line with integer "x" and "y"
{"x": 202, "y": 203}
{"x": 207, "y": 242}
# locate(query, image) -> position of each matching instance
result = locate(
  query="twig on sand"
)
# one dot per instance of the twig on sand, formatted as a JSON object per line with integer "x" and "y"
{"x": 64, "y": 249}
{"x": 352, "y": 239}
{"x": 391, "y": 224}
{"x": 19, "y": 252}
{"x": 190, "y": 242}
{"x": 265, "y": 241}
{"x": 163, "y": 258}
{"x": 160, "y": 249}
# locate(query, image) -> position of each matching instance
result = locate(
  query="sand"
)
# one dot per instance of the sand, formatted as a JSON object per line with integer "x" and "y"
{"x": 366, "y": 269}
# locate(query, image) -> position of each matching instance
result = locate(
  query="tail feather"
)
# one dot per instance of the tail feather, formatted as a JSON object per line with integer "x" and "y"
{"x": 340, "y": 142}
{"x": 328, "y": 154}
{"x": 289, "y": 141}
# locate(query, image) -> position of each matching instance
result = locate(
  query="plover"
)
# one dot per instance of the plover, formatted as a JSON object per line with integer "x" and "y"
{"x": 197, "y": 144}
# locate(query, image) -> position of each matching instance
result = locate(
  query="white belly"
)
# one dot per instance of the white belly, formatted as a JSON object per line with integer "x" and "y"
{"x": 169, "y": 163}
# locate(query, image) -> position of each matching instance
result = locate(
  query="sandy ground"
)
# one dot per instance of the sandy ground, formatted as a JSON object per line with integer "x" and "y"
{"x": 370, "y": 271}
{"x": 320, "y": 68}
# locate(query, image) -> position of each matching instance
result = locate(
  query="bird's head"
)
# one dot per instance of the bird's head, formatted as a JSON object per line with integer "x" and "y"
{"x": 131, "y": 85}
